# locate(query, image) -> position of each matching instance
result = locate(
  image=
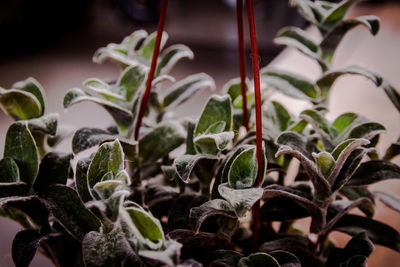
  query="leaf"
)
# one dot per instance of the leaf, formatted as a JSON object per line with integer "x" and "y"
{"x": 109, "y": 157}
{"x": 131, "y": 80}
{"x": 318, "y": 219}
{"x": 214, "y": 142}
{"x": 297, "y": 142}
{"x": 308, "y": 10}
{"x": 234, "y": 89}
{"x": 9, "y": 172}
{"x": 181, "y": 91}
{"x": 392, "y": 151}
{"x": 32, "y": 86}
{"x": 20, "y": 105}
{"x": 258, "y": 259}
{"x": 218, "y": 108}
{"x": 185, "y": 164}
{"x": 167, "y": 257}
{"x": 243, "y": 170}
{"x": 393, "y": 95}
{"x": 54, "y": 169}
{"x": 226, "y": 219}
{"x": 223, "y": 257}
{"x": 392, "y": 200}
{"x": 325, "y": 162}
{"x": 24, "y": 247}
{"x": 378, "y": 232}
{"x": 146, "y": 49}
{"x": 46, "y": 124}
{"x": 170, "y": 56}
{"x": 291, "y": 84}
{"x": 337, "y": 13}
{"x": 160, "y": 141}
{"x": 326, "y": 81}
{"x": 321, "y": 125}
{"x": 143, "y": 227}
{"x": 66, "y": 206}
{"x": 106, "y": 249}
{"x": 21, "y": 147}
{"x": 122, "y": 116}
{"x": 343, "y": 121}
{"x": 297, "y": 38}
{"x": 81, "y": 180}
{"x": 374, "y": 171}
{"x": 240, "y": 199}
{"x": 102, "y": 88}
{"x": 333, "y": 38}
{"x": 285, "y": 259}
{"x": 354, "y": 193}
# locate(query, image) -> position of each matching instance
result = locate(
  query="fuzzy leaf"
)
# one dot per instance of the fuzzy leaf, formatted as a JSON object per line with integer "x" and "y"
{"x": 297, "y": 38}
{"x": 223, "y": 257}
{"x": 325, "y": 162}
{"x": 374, "y": 171}
{"x": 108, "y": 158}
{"x": 243, "y": 170}
{"x": 105, "y": 249}
{"x": 313, "y": 210}
{"x": 354, "y": 193}
{"x": 81, "y": 181}
{"x": 46, "y": 124}
{"x": 285, "y": 259}
{"x": 160, "y": 141}
{"x": 393, "y": 95}
{"x": 122, "y": 116}
{"x": 297, "y": 142}
{"x": 102, "y": 88}
{"x": 344, "y": 121}
{"x": 19, "y": 104}
{"x": 214, "y": 142}
{"x": 291, "y": 84}
{"x": 24, "y": 247}
{"x": 258, "y": 259}
{"x": 9, "y": 172}
{"x": 32, "y": 86}
{"x": 378, "y": 232}
{"x": 367, "y": 130}
{"x": 147, "y": 48}
{"x": 170, "y": 56}
{"x": 131, "y": 80}
{"x": 185, "y": 164}
{"x": 326, "y": 81}
{"x": 226, "y": 218}
{"x": 321, "y": 125}
{"x": 143, "y": 227}
{"x": 393, "y": 151}
{"x": 392, "y": 200}
{"x": 308, "y": 10}
{"x": 337, "y": 13}
{"x": 66, "y": 206}
{"x": 240, "y": 199}
{"x": 21, "y": 147}
{"x": 181, "y": 91}
{"x": 54, "y": 169}
{"x": 218, "y": 108}
{"x": 333, "y": 38}
{"x": 168, "y": 256}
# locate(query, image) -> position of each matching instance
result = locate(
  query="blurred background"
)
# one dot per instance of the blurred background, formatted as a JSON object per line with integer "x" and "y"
{"x": 54, "y": 41}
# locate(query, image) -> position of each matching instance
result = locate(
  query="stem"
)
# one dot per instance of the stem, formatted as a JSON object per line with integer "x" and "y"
{"x": 256, "y": 73}
{"x": 153, "y": 65}
{"x": 242, "y": 62}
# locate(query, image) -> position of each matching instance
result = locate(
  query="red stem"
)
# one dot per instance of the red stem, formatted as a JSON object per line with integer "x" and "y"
{"x": 153, "y": 65}
{"x": 242, "y": 62}
{"x": 256, "y": 73}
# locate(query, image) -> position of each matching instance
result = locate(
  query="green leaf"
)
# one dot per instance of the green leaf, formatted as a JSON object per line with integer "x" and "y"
{"x": 9, "y": 172}
{"x": 285, "y": 259}
{"x": 102, "y": 88}
{"x": 226, "y": 219}
{"x": 326, "y": 81}
{"x": 46, "y": 124}
{"x": 122, "y": 116}
{"x": 243, "y": 170}
{"x": 337, "y": 13}
{"x": 374, "y": 171}
{"x": 54, "y": 169}
{"x": 297, "y": 38}
{"x": 185, "y": 164}
{"x": 393, "y": 151}
{"x": 259, "y": 259}
{"x": 66, "y": 206}
{"x": 105, "y": 249}
{"x": 333, "y": 38}
{"x": 291, "y": 84}
{"x": 325, "y": 162}
{"x": 161, "y": 141}
{"x": 81, "y": 181}
{"x": 20, "y": 105}
{"x": 321, "y": 125}
{"x": 147, "y": 48}
{"x": 240, "y": 199}
{"x": 298, "y": 142}
{"x": 109, "y": 157}
{"x": 32, "y": 86}
{"x": 234, "y": 89}
{"x": 142, "y": 227}
{"x": 344, "y": 121}
{"x": 392, "y": 200}
{"x": 24, "y": 246}
{"x": 21, "y": 147}
{"x": 367, "y": 130}
{"x": 131, "y": 80}
{"x": 169, "y": 256}
{"x": 393, "y": 95}
{"x": 170, "y": 56}
{"x": 181, "y": 91}
{"x": 377, "y": 232}
{"x": 309, "y": 11}
{"x": 213, "y": 143}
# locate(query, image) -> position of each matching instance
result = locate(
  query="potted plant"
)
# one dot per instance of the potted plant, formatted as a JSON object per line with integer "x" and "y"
{"x": 158, "y": 190}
